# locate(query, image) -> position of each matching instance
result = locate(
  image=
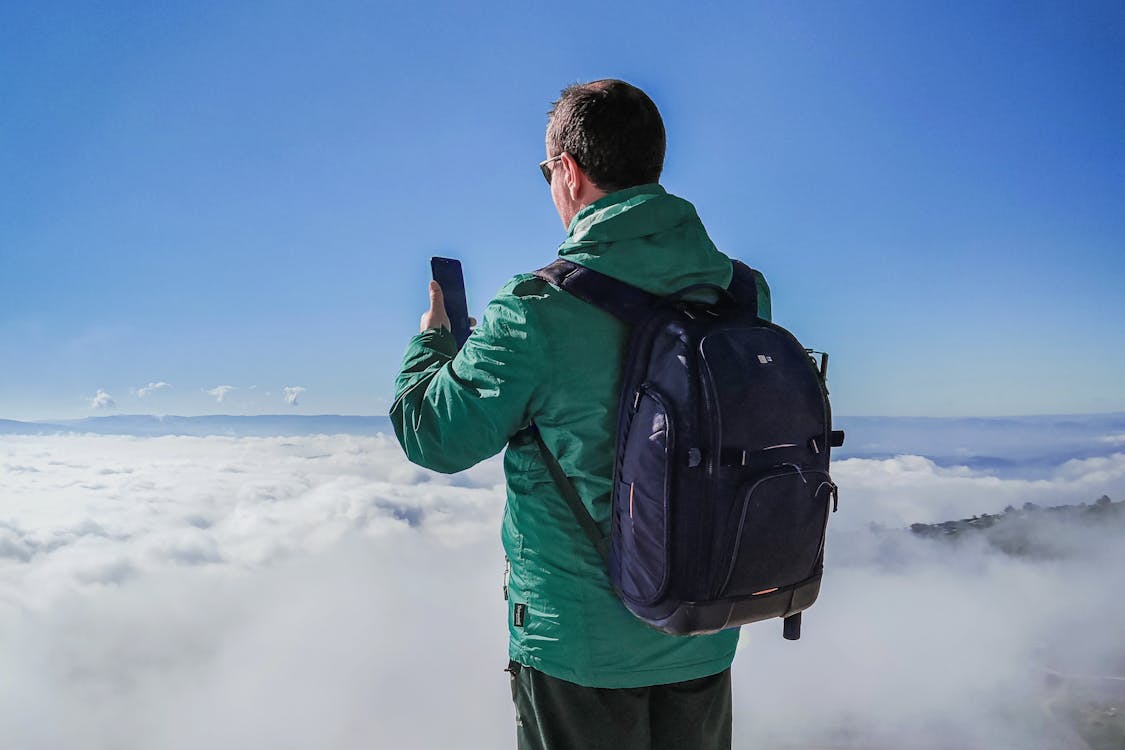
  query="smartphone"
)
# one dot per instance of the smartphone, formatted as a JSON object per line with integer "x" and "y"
{"x": 447, "y": 273}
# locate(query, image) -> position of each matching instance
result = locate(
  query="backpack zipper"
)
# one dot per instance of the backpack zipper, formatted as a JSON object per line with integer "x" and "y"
{"x": 710, "y": 465}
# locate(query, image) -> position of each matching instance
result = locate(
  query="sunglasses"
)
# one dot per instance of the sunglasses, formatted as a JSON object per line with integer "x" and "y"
{"x": 544, "y": 167}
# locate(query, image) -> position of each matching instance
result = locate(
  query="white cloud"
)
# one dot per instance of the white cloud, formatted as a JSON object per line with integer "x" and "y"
{"x": 220, "y": 392}
{"x": 908, "y": 489}
{"x": 146, "y": 390}
{"x": 102, "y": 400}
{"x": 145, "y": 582}
{"x": 291, "y": 394}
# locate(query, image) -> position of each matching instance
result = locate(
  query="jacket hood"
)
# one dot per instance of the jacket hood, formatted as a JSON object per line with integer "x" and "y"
{"x": 646, "y": 237}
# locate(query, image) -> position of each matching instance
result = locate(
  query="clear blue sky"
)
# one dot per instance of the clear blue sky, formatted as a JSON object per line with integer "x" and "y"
{"x": 246, "y": 194}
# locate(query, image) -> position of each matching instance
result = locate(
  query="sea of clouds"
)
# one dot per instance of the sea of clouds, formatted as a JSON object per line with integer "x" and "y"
{"x": 319, "y": 591}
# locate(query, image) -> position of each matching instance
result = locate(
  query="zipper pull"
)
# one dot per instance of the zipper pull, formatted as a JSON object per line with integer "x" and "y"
{"x": 797, "y": 469}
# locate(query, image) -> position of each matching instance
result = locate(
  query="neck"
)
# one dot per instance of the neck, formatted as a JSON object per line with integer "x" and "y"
{"x": 585, "y": 197}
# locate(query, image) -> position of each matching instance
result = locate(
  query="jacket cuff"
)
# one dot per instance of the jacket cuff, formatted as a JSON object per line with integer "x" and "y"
{"x": 437, "y": 339}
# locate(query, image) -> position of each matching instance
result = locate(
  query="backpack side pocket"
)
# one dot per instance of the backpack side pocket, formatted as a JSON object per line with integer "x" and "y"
{"x": 641, "y": 501}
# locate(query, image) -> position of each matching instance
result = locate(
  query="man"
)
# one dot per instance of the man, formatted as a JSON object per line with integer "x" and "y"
{"x": 585, "y": 673}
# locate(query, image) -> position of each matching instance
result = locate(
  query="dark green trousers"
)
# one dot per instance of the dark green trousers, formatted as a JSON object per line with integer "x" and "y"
{"x": 553, "y": 714}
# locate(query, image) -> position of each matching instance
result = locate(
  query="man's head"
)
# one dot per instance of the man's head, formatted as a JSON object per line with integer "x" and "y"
{"x": 607, "y": 135}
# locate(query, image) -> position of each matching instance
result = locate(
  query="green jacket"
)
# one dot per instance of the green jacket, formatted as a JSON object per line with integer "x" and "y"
{"x": 539, "y": 354}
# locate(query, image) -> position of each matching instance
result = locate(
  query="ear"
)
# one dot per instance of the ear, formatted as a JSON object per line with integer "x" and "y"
{"x": 576, "y": 180}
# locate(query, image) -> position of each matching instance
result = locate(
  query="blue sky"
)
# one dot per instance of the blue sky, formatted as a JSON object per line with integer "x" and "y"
{"x": 246, "y": 194}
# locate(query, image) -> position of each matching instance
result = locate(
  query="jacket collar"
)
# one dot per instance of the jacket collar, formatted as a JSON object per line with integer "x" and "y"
{"x": 646, "y": 237}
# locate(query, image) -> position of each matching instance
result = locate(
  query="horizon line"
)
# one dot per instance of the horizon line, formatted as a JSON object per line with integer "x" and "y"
{"x": 1036, "y": 415}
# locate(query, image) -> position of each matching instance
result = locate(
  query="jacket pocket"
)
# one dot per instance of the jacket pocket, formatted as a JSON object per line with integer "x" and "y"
{"x": 639, "y": 553}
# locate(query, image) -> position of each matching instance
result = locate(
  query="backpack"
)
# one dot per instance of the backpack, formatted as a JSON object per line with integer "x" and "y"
{"x": 721, "y": 490}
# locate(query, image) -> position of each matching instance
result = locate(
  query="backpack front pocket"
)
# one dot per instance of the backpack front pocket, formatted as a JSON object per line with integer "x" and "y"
{"x": 778, "y": 534}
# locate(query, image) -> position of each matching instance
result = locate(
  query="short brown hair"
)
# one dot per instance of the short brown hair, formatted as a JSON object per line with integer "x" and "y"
{"x": 612, "y": 129}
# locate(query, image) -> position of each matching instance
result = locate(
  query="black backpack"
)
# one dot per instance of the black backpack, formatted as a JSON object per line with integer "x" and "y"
{"x": 721, "y": 490}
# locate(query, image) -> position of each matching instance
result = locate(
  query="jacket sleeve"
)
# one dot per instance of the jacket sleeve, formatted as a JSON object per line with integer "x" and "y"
{"x": 454, "y": 409}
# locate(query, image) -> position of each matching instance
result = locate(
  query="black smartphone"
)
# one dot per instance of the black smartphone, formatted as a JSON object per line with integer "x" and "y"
{"x": 447, "y": 273}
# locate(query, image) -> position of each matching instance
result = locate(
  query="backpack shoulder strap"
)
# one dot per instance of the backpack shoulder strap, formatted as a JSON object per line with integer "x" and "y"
{"x": 630, "y": 304}
{"x": 573, "y": 501}
{"x": 623, "y": 301}
{"x": 744, "y": 287}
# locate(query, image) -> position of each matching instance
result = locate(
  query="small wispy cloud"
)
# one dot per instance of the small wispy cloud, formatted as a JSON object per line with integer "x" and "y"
{"x": 220, "y": 392}
{"x": 291, "y": 394}
{"x": 146, "y": 390}
{"x": 102, "y": 400}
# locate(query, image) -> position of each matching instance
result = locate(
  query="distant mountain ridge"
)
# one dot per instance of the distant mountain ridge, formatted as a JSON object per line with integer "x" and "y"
{"x": 147, "y": 425}
{"x": 14, "y": 427}
{"x": 1032, "y": 531}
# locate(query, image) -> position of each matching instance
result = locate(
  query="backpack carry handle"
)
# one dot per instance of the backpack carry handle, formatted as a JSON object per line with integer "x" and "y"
{"x": 724, "y": 294}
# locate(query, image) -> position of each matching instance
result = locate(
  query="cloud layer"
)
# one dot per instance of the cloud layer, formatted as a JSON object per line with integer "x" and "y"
{"x": 182, "y": 592}
{"x": 912, "y": 489}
